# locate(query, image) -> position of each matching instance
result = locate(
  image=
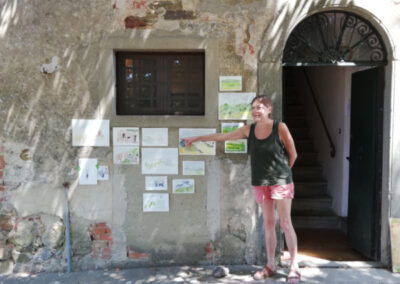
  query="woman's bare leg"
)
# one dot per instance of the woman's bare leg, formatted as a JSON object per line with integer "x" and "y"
{"x": 283, "y": 207}
{"x": 267, "y": 208}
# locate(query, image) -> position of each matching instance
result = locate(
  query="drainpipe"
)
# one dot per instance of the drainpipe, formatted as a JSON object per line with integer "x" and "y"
{"x": 67, "y": 227}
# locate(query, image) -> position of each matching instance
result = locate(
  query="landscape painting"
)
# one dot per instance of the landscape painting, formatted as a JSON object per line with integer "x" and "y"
{"x": 193, "y": 168}
{"x": 230, "y": 83}
{"x": 235, "y": 106}
{"x": 91, "y": 132}
{"x": 155, "y": 202}
{"x": 183, "y": 185}
{"x": 160, "y": 161}
{"x": 199, "y": 147}
{"x": 234, "y": 146}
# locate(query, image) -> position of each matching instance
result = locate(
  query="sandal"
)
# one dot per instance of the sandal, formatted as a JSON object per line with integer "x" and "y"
{"x": 293, "y": 276}
{"x": 263, "y": 273}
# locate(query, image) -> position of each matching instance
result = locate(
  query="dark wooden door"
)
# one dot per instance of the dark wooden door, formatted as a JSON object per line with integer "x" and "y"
{"x": 365, "y": 161}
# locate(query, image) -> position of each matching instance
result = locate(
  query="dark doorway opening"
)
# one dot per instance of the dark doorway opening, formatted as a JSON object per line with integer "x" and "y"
{"x": 328, "y": 222}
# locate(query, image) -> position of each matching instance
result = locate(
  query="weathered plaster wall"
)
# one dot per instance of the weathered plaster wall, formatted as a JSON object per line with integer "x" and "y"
{"x": 57, "y": 63}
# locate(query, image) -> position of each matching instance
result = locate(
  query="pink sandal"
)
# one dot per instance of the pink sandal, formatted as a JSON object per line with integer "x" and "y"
{"x": 263, "y": 273}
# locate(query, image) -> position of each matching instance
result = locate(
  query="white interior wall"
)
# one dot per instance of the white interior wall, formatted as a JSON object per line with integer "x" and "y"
{"x": 332, "y": 86}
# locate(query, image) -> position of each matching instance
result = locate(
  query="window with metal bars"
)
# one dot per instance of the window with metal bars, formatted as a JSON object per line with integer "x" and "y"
{"x": 160, "y": 83}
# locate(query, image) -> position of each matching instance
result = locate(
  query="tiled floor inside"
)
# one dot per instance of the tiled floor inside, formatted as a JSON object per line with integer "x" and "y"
{"x": 327, "y": 244}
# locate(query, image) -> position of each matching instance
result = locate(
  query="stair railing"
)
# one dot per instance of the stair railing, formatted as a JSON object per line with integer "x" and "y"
{"x": 333, "y": 149}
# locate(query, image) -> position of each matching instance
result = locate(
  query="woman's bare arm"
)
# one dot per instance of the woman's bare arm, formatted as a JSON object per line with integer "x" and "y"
{"x": 240, "y": 133}
{"x": 288, "y": 142}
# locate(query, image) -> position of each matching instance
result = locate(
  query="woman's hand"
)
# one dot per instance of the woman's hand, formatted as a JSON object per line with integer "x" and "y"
{"x": 189, "y": 141}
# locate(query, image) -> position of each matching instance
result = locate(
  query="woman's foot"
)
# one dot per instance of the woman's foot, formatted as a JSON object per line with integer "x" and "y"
{"x": 264, "y": 273}
{"x": 293, "y": 276}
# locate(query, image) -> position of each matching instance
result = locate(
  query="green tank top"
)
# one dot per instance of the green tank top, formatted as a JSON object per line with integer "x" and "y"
{"x": 269, "y": 159}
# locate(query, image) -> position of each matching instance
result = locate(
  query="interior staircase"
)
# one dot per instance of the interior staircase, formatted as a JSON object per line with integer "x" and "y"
{"x": 312, "y": 206}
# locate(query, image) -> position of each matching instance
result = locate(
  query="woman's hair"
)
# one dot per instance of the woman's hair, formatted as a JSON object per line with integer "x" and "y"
{"x": 263, "y": 99}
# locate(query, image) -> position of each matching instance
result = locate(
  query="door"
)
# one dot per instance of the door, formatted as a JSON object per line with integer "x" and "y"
{"x": 365, "y": 161}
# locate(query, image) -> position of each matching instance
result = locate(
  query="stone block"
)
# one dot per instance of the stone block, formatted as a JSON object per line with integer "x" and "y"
{"x": 24, "y": 235}
{"x": 53, "y": 236}
{"x": 6, "y": 267}
{"x": 179, "y": 15}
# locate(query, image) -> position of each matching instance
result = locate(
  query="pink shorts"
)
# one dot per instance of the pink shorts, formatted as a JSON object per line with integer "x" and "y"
{"x": 273, "y": 192}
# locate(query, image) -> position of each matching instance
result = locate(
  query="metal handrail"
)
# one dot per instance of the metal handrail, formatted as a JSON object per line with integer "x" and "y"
{"x": 333, "y": 149}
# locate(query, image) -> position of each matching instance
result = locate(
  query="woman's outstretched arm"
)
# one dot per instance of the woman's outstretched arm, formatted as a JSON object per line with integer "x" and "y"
{"x": 239, "y": 133}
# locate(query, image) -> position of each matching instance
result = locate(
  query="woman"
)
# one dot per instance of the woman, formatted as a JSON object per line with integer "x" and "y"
{"x": 273, "y": 154}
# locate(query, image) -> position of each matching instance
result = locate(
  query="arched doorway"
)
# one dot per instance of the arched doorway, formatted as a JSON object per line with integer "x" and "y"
{"x": 333, "y": 89}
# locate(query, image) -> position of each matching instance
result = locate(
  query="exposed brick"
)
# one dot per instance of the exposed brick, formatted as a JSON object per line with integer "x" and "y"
{"x": 179, "y": 15}
{"x": 209, "y": 251}
{"x": 100, "y": 244}
{"x": 1, "y": 173}
{"x": 132, "y": 22}
{"x": 137, "y": 255}
{"x": 2, "y": 162}
{"x": 2, "y": 188}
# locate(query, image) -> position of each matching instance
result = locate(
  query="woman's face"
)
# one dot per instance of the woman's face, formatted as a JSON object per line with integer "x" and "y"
{"x": 260, "y": 111}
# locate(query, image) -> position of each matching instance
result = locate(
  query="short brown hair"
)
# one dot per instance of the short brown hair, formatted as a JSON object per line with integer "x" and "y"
{"x": 263, "y": 99}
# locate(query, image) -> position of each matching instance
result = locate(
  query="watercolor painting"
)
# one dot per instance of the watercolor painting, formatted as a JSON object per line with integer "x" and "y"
{"x": 160, "y": 161}
{"x": 155, "y": 202}
{"x": 156, "y": 183}
{"x": 154, "y": 136}
{"x": 193, "y": 168}
{"x": 125, "y": 136}
{"x": 234, "y": 146}
{"x": 90, "y": 132}
{"x": 126, "y": 155}
{"x": 230, "y": 83}
{"x": 235, "y": 106}
{"x": 87, "y": 171}
{"x": 199, "y": 147}
{"x": 102, "y": 173}
{"x": 183, "y": 185}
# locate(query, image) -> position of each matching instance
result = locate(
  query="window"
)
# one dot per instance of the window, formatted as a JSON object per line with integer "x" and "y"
{"x": 160, "y": 83}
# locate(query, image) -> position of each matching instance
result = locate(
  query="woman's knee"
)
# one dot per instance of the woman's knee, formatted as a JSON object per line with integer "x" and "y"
{"x": 286, "y": 224}
{"x": 269, "y": 223}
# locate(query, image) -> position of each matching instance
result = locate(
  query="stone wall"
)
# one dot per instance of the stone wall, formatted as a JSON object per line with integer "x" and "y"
{"x": 57, "y": 64}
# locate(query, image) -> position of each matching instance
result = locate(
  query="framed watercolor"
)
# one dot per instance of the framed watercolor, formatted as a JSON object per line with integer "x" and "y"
{"x": 230, "y": 83}
{"x": 193, "y": 168}
{"x": 126, "y": 155}
{"x": 235, "y": 106}
{"x": 125, "y": 136}
{"x": 199, "y": 147}
{"x": 154, "y": 137}
{"x": 160, "y": 161}
{"x": 156, "y": 182}
{"x": 90, "y": 132}
{"x": 155, "y": 202}
{"x": 183, "y": 186}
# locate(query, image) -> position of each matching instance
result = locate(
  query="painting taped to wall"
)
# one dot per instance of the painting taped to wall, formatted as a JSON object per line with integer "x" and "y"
{"x": 193, "y": 168}
{"x": 199, "y": 147}
{"x": 183, "y": 185}
{"x": 160, "y": 161}
{"x": 235, "y": 106}
{"x": 90, "y": 132}
{"x": 154, "y": 136}
{"x": 395, "y": 242}
{"x": 156, "y": 182}
{"x": 125, "y": 136}
{"x": 155, "y": 202}
{"x": 102, "y": 173}
{"x": 234, "y": 146}
{"x": 126, "y": 155}
{"x": 87, "y": 171}
{"x": 230, "y": 83}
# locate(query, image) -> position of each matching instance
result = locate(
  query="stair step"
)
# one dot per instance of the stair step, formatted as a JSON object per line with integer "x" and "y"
{"x": 296, "y": 122}
{"x": 293, "y": 110}
{"x": 312, "y": 202}
{"x": 307, "y": 173}
{"x": 300, "y": 133}
{"x": 307, "y": 159}
{"x": 316, "y": 219}
{"x": 304, "y": 145}
{"x": 316, "y": 188}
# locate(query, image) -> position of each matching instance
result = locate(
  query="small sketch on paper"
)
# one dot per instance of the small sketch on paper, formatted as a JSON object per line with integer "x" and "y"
{"x": 87, "y": 171}
{"x": 154, "y": 136}
{"x": 102, "y": 173}
{"x": 126, "y": 155}
{"x": 155, "y": 202}
{"x": 183, "y": 185}
{"x": 124, "y": 136}
{"x": 156, "y": 182}
{"x": 193, "y": 168}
